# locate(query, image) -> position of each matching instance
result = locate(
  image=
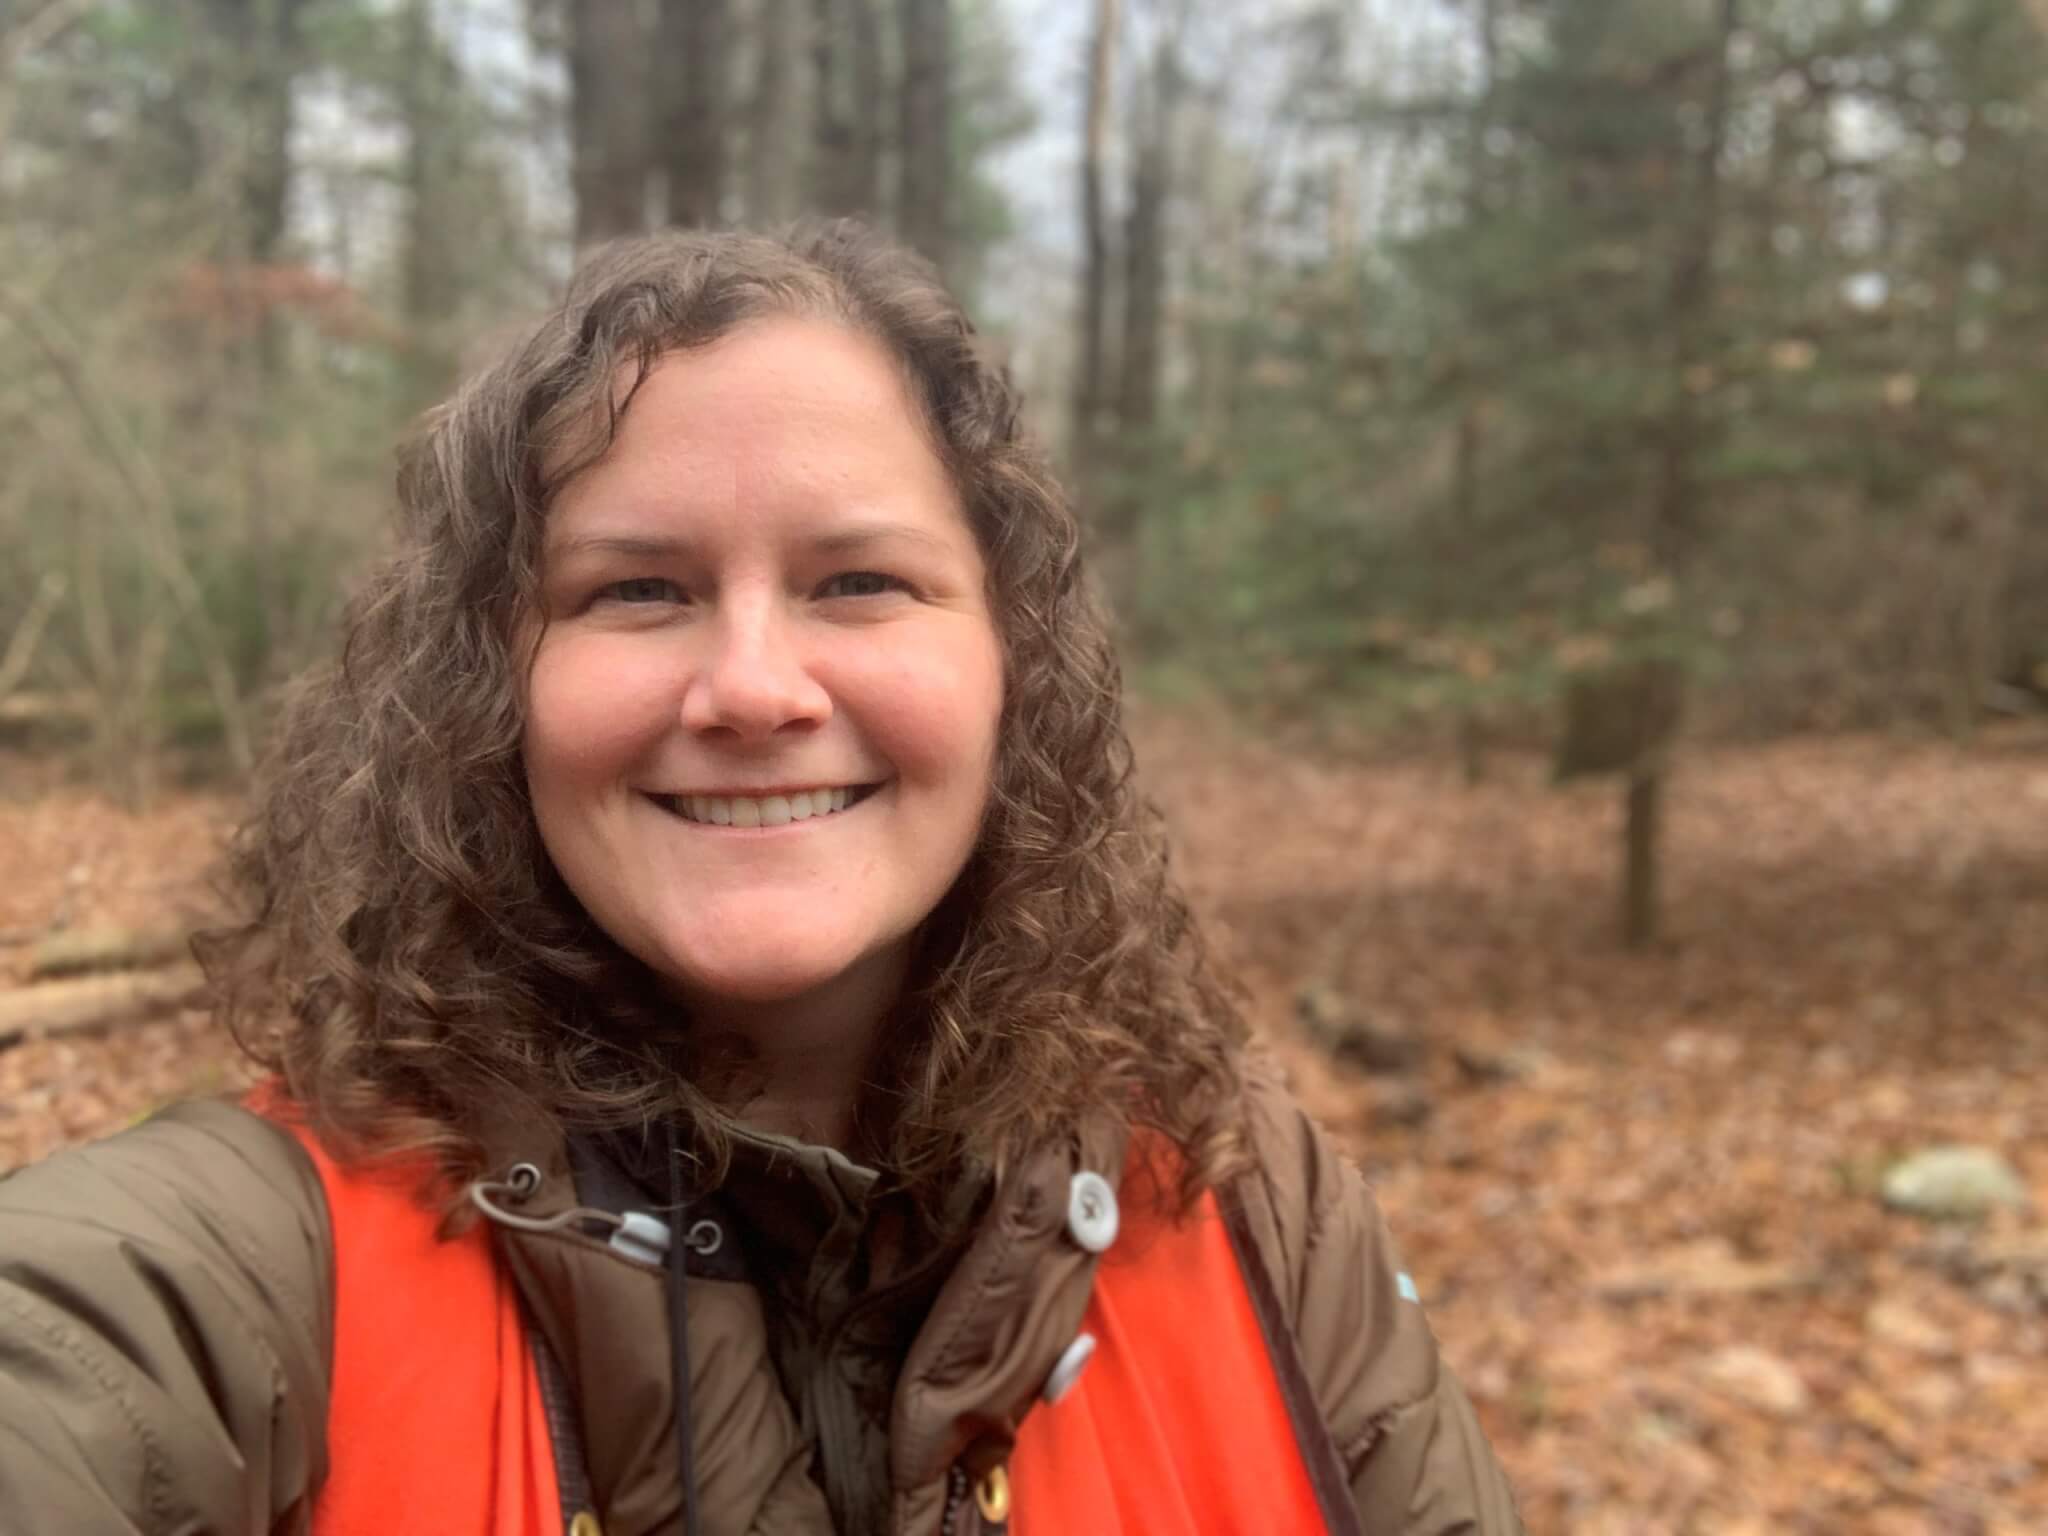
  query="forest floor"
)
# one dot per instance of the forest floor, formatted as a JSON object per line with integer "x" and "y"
{"x": 1647, "y": 1226}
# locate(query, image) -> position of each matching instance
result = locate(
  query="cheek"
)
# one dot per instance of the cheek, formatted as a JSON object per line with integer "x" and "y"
{"x": 935, "y": 709}
{"x": 589, "y": 708}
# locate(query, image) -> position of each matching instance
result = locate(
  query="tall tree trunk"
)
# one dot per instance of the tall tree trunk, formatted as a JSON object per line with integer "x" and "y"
{"x": 832, "y": 170}
{"x": 870, "y": 96}
{"x": 847, "y": 47}
{"x": 771, "y": 195}
{"x": 1469, "y": 452}
{"x": 1091, "y": 369}
{"x": 1642, "y": 825}
{"x": 1675, "y": 510}
{"x": 693, "y": 50}
{"x": 1145, "y": 245}
{"x": 430, "y": 268}
{"x": 268, "y": 72}
{"x": 608, "y": 119}
{"x": 922, "y": 213}
{"x": 1468, "y": 448}
{"x": 1690, "y": 317}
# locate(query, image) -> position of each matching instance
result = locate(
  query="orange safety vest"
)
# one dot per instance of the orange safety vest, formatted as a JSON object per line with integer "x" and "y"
{"x": 1178, "y": 1426}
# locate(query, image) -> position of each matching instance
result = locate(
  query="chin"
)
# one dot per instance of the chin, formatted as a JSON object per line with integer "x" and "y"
{"x": 765, "y": 972}
{"x": 752, "y": 985}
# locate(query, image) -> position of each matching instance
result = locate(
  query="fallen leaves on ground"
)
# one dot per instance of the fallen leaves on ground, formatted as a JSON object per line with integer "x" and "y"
{"x": 1655, "y": 1252}
{"x": 1639, "y": 1192}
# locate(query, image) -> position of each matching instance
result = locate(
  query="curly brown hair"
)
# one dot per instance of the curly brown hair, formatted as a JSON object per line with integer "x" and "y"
{"x": 415, "y": 969}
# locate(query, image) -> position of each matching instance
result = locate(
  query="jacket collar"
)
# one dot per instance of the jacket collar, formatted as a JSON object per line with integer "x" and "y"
{"x": 1011, "y": 1307}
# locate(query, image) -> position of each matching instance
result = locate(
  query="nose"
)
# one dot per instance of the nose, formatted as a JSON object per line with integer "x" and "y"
{"x": 755, "y": 678}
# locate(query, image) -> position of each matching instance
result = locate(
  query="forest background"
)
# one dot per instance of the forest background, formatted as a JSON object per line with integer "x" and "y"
{"x": 1571, "y": 478}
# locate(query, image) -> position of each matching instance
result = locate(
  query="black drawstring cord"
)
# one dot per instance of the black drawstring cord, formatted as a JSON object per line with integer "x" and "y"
{"x": 679, "y": 1329}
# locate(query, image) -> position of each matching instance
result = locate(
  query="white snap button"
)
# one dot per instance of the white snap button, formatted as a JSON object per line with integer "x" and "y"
{"x": 1071, "y": 1365}
{"x": 1091, "y": 1211}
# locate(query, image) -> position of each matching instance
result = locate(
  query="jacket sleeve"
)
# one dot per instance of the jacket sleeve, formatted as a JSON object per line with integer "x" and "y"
{"x": 1417, "y": 1460}
{"x": 166, "y": 1324}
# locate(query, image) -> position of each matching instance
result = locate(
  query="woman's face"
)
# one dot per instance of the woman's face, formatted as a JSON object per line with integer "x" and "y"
{"x": 761, "y": 725}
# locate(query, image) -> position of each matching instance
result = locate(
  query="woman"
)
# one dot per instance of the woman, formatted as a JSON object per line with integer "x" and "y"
{"x": 710, "y": 890}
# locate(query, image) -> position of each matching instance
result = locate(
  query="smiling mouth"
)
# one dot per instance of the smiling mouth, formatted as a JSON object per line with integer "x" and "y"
{"x": 766, "y": 811}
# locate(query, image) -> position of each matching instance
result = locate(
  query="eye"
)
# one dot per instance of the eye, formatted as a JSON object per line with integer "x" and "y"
{"x": 861, "y": 584}
{"x": 641, "y": 589}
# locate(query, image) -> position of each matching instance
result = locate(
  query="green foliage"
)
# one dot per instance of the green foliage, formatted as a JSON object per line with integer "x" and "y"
{"x": 1446, "y": 478}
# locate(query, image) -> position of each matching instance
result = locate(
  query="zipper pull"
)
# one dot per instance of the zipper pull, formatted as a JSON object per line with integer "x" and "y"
{"x": 983, "y": 1508}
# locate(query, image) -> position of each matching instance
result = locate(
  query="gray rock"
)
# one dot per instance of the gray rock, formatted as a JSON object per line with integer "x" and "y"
{"x": 1482, "y": 1065}
{"x": 1338, "y": 1025}
{"x": 1405, "y": 1105}
{"x": 1949, "y": 1183}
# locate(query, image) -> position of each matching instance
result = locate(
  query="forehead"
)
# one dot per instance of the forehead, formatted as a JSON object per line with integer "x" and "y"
{"x": 781, "y": 408}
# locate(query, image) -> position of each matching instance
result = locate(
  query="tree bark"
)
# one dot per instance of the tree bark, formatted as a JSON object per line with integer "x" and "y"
{"x": 870, "y": 96}
{"x": 1675, "y": 509}
{"x": 608, "y": 119}
{"x": 847, "y": 47}
{"x": 1689, "y": 311}
{"x": 430, "y": 263}
{"x": 922, "y": 213}
{"x": 771, "y": 124}
{"x": 272, "y": 71}
{"x": 1145, "y": 245}
{"x": 693, "y": 52}
{"x": 1469, "y": 451}
{"x": 1091, "y": 370}
{"x": 1641, "y": 835}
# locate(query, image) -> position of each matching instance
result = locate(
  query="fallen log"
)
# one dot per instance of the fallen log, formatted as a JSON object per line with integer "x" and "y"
{"x": 95, "y": 1002}
{"x": 91, "y": 951}
{"x": 1962, "y": 1255}
{"x": 1703, "y": 1271}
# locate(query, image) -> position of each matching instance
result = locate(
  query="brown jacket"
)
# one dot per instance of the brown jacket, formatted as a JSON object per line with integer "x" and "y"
{"x": 166, "y": 1320}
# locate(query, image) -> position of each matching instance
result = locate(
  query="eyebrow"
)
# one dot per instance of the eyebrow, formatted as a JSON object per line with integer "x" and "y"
{"x": 860, "y": 536}
{"x": 840, "y": 541}
{"x": 634, "y": 546}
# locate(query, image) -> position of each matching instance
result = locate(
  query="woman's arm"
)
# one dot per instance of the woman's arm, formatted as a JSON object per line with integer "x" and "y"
{"x": 166, "y": 1324}
{"x": 1417, "y": 1461}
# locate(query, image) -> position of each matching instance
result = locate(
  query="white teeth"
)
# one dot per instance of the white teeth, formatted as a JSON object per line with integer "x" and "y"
{"x": 769, "y": 811}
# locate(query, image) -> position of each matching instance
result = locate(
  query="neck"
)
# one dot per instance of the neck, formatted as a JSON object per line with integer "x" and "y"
{"x": 807, "y": 1057}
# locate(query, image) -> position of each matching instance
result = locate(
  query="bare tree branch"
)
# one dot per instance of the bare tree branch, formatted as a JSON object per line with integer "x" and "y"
{"x": 21, "y": 646}
{"x": 152, "y": 509}
{"x": 23, "y": 40}
{"x": 40, "y": 28}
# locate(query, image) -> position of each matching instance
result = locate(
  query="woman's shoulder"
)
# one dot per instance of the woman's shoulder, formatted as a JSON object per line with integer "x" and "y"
{"x": 1401, "y": 1424}
{"x": 1325, "y": 1242}
{"x": 1297, "y": 1170}
{"x": 212, "y": 1157}
{"x": 167, "y": 1294}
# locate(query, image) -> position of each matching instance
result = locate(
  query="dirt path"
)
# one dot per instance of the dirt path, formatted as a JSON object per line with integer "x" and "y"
{"x": 1657, "y": 1260}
